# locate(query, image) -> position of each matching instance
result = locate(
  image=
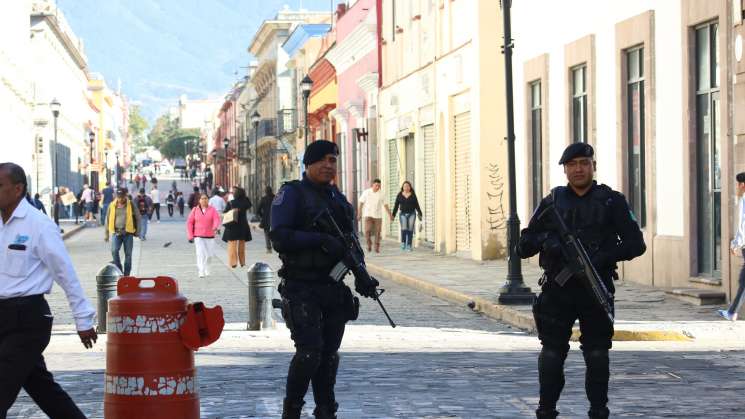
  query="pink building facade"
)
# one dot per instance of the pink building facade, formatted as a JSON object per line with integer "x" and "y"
{"x": 355, "y": 57}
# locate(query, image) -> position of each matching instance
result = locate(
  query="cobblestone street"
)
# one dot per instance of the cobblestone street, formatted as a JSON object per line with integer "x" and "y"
{"x": 442, "y": 361}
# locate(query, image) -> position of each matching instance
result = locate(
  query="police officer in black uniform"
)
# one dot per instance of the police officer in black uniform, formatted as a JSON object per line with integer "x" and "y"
{"x": 314, "y": 306}
{"x": 601, "y": 219}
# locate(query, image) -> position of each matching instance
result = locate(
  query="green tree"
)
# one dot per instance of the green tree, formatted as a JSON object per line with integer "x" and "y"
{"x": 137, "y": 127}
{"x": 174, "y": 145}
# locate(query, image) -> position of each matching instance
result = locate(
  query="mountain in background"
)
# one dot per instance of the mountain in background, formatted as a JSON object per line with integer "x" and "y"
{"x": 161, "y": 49}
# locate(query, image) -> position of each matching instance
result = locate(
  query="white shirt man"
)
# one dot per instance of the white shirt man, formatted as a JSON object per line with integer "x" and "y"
{"x": 218, "y": 202}
{"x": 32, "y": 257}
{"x": 372, "y": 203}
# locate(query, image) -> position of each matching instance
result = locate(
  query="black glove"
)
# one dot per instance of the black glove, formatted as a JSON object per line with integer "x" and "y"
{"x": 365, "y": 285}
{"x": 334, "y": 246}
{"x": 551, "y": 246}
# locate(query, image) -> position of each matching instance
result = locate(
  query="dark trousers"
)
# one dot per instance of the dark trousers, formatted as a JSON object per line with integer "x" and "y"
{"x": 170, "y": 210}
{"x": 316, "y": 314}
{"x": 156, "y": 207}
{"x": 25, "y": 331}
{"x": 267, "y": 239}
{"x": 738, "y": 300}
{"x": 555, "y": 312}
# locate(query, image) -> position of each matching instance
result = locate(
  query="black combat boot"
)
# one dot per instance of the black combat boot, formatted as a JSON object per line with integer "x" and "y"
{"x": 291, "y": 410}
{"x": 598, "y": 413}
{"x": 326, "y": 411}
{"x": 543, "y": 413}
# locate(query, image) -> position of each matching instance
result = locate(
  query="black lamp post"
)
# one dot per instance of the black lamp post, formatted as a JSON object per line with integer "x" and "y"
{"x": 255, "y": 118}
{"x": 106, "y": 165}
{"x": 55, "y": 107}
{"x": 225, "y": 144}
{"x": 514, "y": 290}
{"x": 306, "y": 85}
{"x": 116, "y": 170}
{"x": 91, "y": 140}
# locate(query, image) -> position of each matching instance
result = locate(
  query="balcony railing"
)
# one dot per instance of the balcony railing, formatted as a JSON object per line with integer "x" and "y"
{"x": 287, "y": 121}
{"x": 244, "y": 150}
{"x": 267, "y": 127}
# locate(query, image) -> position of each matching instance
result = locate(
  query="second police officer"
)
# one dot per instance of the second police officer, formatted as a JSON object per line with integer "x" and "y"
{"x": 601, "y": 219}
{"x": 315, "y": 307}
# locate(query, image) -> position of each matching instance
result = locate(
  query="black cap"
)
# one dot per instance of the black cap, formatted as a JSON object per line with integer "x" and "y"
{"x": 317, "y": 150}
{"x": 122, "y": 191}
{"x": 576, "y": 150}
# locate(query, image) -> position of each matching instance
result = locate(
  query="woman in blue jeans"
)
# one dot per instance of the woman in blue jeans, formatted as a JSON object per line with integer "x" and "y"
{"x": 406, "y": 199}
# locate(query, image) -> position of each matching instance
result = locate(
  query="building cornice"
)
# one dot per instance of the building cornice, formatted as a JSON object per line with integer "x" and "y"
{"x": 360, "y": 42}
{"x": 63, "y": 32}
{"x": 264, "y": 34}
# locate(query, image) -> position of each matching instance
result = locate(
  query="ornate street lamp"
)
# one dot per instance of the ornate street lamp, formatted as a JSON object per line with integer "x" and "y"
{"x": 514, "y": 290}
{"x": 306, "y": 85}
{"x": 91, "y": 140}
{"x": 255, "y": 118}
{"x": 116, "y": 170}
{"x": 225, "y": 144}
{"x": 55, "y": 106}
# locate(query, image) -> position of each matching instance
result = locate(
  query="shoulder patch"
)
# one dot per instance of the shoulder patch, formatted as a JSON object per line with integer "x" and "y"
{"x": 633, "y": 217}
{"x": 279, "y": 198}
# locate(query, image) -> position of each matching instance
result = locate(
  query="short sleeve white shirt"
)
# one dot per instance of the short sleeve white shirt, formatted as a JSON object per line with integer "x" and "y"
{"x": 33, "y": 255}
{"x": 372, "y": 203}
{"x": 155, "y": 196}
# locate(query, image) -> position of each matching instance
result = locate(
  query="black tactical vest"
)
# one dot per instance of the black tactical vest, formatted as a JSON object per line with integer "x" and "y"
{"x": 311, "y": 264}
{"x": 589, "y": 216}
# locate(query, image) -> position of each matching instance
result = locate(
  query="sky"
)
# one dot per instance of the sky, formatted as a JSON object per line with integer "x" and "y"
{"x": 161, "y": 49}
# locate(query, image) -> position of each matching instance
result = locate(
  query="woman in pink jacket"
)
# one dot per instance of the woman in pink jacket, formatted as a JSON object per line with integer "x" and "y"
{"x": 201, "y": 226}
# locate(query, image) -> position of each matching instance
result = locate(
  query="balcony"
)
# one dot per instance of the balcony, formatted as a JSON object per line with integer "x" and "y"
{"x": 286, "y": 121}
{"x": 267, "y": 127}
{"x": 244, "y": 150}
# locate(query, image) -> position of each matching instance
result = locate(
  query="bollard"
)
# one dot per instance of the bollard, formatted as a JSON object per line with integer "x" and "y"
{"x": 106, "y": 280}
{"x": 260, "y": 294}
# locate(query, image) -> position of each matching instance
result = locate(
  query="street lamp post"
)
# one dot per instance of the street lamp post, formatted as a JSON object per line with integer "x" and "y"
{"x": 106, "y": 165}
{"x": 255, "y": 118}
{"x": 306, "y": 85}
{"x": 91, "y": 140}
{"x": 225, "y": 144}
{"x": 55, "y": 106}
{"x": 116, "y": 170}
{"x": 514, "y": 290}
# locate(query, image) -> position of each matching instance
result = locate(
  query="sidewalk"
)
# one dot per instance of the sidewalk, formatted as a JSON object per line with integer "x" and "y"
{"x": 642, "y": 312}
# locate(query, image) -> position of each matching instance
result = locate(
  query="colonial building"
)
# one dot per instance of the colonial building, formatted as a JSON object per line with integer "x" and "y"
{"x": 16, "y": 94}
{"x": 441, "y": 121}
{"x": 655, "y": 88}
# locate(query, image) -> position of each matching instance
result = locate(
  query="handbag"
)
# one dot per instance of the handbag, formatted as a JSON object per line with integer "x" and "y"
{"x": 230, "y": 217}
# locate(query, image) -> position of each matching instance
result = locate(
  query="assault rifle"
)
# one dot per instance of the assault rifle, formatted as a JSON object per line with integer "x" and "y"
{"x": 353, "y": 261}
{"x": 578, "y": 263}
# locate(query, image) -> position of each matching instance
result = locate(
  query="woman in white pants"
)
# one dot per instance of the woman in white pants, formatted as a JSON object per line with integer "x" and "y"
{"x": 201, "y": 226}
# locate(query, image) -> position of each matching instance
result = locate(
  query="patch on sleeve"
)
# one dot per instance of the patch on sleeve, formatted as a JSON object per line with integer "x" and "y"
{"x": 633, "y": 217}
{"x": 279, "y": 197}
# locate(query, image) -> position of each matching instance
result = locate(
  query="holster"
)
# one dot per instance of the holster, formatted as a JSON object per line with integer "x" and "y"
{"x": 351, "y": 305}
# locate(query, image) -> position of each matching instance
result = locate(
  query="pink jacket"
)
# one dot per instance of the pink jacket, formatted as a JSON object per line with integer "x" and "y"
{"x": 202, "y": 225}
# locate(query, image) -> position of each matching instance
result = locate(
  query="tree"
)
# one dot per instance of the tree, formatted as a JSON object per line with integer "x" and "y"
{"x": 137, "y": 127}
{"x": 174, "y": 145}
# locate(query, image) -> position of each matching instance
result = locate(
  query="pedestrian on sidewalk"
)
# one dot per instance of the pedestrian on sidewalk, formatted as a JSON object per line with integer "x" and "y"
{"x": 315, "y": 307}
{"x": 155, "y": 197}
{"x": 201, "y": 227}
{"x": 145, "y": 207}
{"x": 265, "y": 215}
{"x": 86, "y": 203}
{"x": 409, "y": 204}
{"x": 372, "y": 203}
{"x": 137, "y": 180}
{"x": 737, "y": 248}
{"x": 38, "y": 204}
{"x": 604, "y": 223}
{"x": 237, "y": 233}
{"x": 170, "y": 200}
{"x": 218, "y": 202}
{"x": 108, "y": 197}
{"x": 122, "y": 221}
{"x": 180, "y": 203}
{"x": 33, "y": 257}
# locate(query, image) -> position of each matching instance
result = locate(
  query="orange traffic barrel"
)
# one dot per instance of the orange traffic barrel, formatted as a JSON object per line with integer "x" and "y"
{"x": 149, "y": 371}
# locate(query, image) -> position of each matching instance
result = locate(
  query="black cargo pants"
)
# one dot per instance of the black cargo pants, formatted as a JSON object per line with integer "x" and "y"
{"x": 316, "y": 314}
{"x": 555, "y": 311}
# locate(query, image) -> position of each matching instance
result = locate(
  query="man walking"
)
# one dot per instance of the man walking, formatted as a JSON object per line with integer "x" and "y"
{"x": 86, "y": 202}
{"x": 122, "y": 221}
{"x": 145, "y": 208}
{"x": 372, "y": 203}
{"x": 315, "y": 307}
{"x": 155, "y": 197}
{"x": 737, "y": 248}
{"x": 32, "y": 256}
{"x": 108, "y": 198}
{"x": 602, "y": 220}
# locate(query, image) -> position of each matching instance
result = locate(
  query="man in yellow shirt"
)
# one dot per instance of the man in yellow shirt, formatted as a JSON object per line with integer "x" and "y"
{"x": 122, "y": 223}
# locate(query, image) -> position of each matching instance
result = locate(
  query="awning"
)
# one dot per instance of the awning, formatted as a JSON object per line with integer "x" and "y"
{"x": 326, "y": 95}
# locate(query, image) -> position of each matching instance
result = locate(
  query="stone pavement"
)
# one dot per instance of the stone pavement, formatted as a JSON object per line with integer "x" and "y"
{"x": 642, "y": 312}
{"x": 443, "y": 360}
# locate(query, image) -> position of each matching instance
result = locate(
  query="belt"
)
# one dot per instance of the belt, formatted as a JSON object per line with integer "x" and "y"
{"x": 17, "y": 301}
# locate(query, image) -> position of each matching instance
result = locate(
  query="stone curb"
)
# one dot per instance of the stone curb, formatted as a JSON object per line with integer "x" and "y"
{"x": 507, "y": 314}
{"x": 72, "y": 231}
